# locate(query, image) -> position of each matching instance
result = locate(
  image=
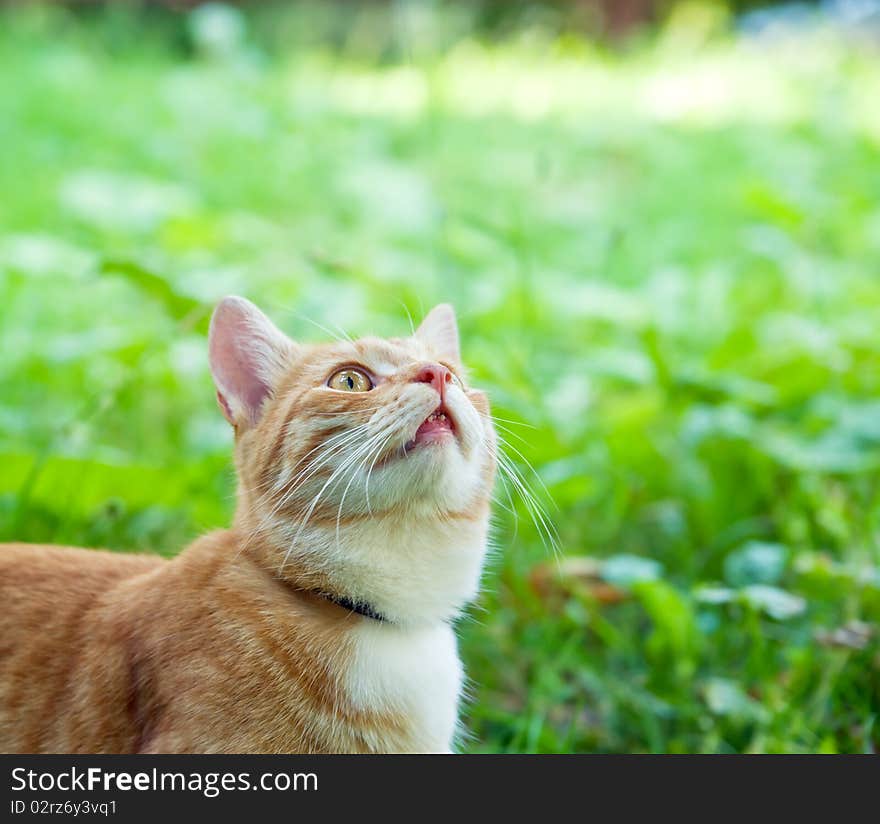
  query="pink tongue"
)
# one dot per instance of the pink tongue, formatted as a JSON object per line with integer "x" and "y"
{"x": 437, "y": 425}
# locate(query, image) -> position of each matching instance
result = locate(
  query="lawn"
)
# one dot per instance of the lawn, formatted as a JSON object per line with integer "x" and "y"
{"x": 666, "y": 263}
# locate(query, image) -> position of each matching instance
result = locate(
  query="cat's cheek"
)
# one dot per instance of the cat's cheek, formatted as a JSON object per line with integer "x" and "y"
{"x": 469, "y": 426}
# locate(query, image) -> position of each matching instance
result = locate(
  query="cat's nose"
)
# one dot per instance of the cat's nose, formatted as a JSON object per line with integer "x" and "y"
{"x": 437, "y": 375}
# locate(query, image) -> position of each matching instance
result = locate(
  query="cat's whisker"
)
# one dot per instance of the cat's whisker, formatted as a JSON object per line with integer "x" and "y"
{"x": 331, "y": 447}
{"x": 496, "y": 419}
{"x": 333, "y": 443}
{"x": 532, "y": 469}
{"x": 412, "y": 327}
{"x": 324, "y": 444}
{"x": 300, "y": 480}
{"x": 511, "y": 508}
{"x": 341, "y": 414}
{"x": 370, "y": 454}
{"x": 340, "y": 335}
{"x": 381, "y": 438}
{"x": 510, "y": 432}
{"x": 489, "y": 416}
{"x": 307, "y": 516}
{"x": 546, "y": 529}
{"x": 354, "y": 436}
{"x": 342, "y": 332}
{"x": 352, "y": 413}
{"x": 497, "y": 423}
{"x": 297, "y": 480}
{"x": 338, "y": 471}
{"x": 370, "y": 474}
{"x": 534, "y": 472}
{"x": 337, "y": 440}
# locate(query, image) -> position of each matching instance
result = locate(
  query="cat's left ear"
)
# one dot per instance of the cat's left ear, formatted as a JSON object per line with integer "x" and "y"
{"x": 249, "y": 356}
{"x": 439, "y": 330}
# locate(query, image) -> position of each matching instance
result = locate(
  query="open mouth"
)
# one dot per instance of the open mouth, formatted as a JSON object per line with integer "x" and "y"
{"x": 434, "y": 428}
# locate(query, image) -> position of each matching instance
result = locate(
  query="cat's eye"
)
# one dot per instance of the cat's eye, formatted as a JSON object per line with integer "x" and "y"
{"x": 350, "y": 380}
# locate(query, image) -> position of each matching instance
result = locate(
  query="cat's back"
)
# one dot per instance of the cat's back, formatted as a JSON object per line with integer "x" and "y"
{"x": 37, "y": 580}
{"x": 45, "y": 592}
{"x": 42, "y": 588}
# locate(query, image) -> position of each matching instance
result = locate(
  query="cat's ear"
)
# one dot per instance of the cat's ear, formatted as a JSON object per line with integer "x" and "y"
{"x": 248, "y": 356}
{"x": 439, "y": 330}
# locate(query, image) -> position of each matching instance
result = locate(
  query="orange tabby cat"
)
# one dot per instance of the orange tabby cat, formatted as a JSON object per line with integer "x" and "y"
{"x": 320, "y": 622}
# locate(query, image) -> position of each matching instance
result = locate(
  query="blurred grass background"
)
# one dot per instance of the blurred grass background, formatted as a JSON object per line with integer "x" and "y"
{"x": 664, "y": 252}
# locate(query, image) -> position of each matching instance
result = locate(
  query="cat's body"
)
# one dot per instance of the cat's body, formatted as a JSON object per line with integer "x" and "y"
{"x": 320, "y": 622}
{"x": 105, "y": 670}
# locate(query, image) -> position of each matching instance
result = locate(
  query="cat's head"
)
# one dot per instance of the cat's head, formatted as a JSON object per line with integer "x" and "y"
{"x": 344, "y": 446}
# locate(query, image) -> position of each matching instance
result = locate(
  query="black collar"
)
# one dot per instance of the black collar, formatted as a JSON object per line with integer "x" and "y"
{"x": 360, "y": 607}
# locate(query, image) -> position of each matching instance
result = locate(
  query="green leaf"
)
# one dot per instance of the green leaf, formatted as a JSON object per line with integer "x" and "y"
{"x": 758, "y": 562}
{"x": 179, "y": 306}
{"x": 626, "y": 570}
{"x": 726, "y": 698}
{"x": 775, "y": 602}
{"x": 675, "y": 627}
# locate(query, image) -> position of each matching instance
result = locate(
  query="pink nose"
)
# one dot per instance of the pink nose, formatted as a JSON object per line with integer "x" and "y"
{"x": 437, "y": 375}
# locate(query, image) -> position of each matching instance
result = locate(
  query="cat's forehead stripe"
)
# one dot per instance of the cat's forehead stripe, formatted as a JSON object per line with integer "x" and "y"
{"x": 382, "y": 356}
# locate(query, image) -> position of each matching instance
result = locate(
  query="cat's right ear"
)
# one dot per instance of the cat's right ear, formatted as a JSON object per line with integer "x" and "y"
{"x": 248, "y": 356}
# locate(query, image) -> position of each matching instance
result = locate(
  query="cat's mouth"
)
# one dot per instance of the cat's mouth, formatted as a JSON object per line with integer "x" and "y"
{"x": 434, "y": 429}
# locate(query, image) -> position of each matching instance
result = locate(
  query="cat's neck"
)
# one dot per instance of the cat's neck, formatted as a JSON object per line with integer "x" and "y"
{"x": 410, "y": 570}
{"x": 347, "y": 683}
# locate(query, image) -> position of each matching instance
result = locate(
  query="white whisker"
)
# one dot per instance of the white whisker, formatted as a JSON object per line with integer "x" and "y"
{"x": 507, "y": 471}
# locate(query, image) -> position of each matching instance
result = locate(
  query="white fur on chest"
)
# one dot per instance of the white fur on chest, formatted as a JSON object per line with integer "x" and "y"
{"x": 414, "y": 673}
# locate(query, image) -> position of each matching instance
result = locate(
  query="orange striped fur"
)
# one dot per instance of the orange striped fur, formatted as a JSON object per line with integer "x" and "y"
{"x": 239, "y": 643}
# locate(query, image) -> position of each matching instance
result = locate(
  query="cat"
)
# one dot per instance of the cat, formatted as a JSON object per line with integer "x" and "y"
{"x": 321, "y": 621}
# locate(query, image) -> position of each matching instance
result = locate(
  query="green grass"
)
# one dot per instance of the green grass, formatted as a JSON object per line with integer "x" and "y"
{"x": 666, "y": 261}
